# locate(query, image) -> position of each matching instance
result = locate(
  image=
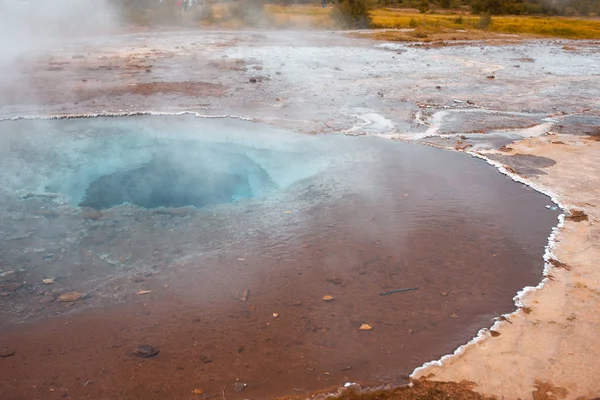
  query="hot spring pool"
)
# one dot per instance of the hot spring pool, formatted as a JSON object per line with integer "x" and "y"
{"x": 217, "y": 239}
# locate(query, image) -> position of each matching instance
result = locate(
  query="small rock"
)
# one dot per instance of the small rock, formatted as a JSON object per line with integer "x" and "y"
{"x": 242, "y": 295}
{"x": 70, "y": 297}
{"x": 438, "y": 87}
{"x": 48, "y": 281}
{"x": 138, "y": 279}
{"x": 365, "y": 327}
{"x": 275, "y": 315}
{"x": 453, "y": 315}
{"x": 206, "y": 359}
{"x": 335, "y": 281}
{"x": 145, "y": 351}
{"x": 78, "y": 57}
{"x": 148, "y": 70}
{"x": 328, "y": 298}
{"x": 491, "y": 76}
{"x": 252, "y": 80}
{"x": 239, "y": 387}
{"x": 6, "y": 352}
{"x": 444, "y": 294}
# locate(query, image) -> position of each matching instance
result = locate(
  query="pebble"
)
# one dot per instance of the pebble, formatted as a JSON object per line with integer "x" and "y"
{"x": 70, "y": 297}
{"x": 239, "y": 387}
{"x": 335, "y": 280}
{"x": 145, "y": 351}
{"x": 206, "y": 359}
{"x": 6, "y": 352}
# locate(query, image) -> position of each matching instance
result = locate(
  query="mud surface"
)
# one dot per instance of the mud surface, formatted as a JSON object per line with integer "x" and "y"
{"x": 245, "y": 305}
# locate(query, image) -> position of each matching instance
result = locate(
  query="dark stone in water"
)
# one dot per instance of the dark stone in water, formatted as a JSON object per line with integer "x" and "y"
{"x": 6, "y": 352}
{"x": 145, "y": 351}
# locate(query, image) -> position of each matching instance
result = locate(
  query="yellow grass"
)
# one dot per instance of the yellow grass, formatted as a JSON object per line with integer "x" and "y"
{"x": 428, "y": 26}
{"x": 572, "y": 28}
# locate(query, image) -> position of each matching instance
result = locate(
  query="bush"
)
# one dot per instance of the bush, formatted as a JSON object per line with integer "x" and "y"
{"x": 458, "y": 20}
{"x": 484, "y": 22}
{"x": 352, "y": 14}
{"x": 413, "y": 23}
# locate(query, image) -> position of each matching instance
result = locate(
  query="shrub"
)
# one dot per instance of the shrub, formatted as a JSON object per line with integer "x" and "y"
{"x": 351, "y": 14}
{"x": 484, "y": 21}
{"x": 413, "y": 23}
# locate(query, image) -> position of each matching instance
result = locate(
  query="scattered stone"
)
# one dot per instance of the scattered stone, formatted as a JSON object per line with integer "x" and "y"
{"x": 275, "y": 315}
{"x": 138, "y": 279}
{"x": 444, "y": 294}
{"x": 494, "y": 333}
{"x": 453, "y": 315}
{"x": 206, "y": 359}
{"x": 328, "y": 298}
{"x": 7, "y": 275}
{"x": 145, "y": 351}
{"x": 438, "y": 87}
{"x": 491, "y": 76}
{"x": 365, "y": 327}
{"x": 242, "y": 295}
{"x": 239, "y": 387}
{"x": 6, "y": 352}
{"x": 252, "y": 80}
{"x": 70, "y": 297}
{"x": 148, "y": 70}
{"x": 335, "y": 280}
{"x": 144, "y": 292}
{"x": 48, "y": 281}
{"x": 198, "y": 391}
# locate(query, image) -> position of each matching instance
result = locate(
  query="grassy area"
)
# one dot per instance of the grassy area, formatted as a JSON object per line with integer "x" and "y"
{"x": 423, "y": 27}
{"x": 572, "y": 28}
{"x": 443, "y": 26}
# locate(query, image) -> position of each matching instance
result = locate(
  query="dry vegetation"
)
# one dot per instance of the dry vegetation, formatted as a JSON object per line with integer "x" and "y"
{"x": 440, "y": 25}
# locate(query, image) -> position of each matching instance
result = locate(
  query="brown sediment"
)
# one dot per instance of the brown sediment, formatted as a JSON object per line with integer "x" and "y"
{"x": 577, "y": 216}
{"x": 192, "y": 89}
{"x": 417, "y": 390}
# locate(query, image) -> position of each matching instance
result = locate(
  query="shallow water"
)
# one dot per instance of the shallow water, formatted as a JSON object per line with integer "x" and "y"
{"x": 349, "y": 217}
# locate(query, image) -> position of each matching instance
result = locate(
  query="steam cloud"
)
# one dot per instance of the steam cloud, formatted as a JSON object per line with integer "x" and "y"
{"x": 28, "y": 26}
